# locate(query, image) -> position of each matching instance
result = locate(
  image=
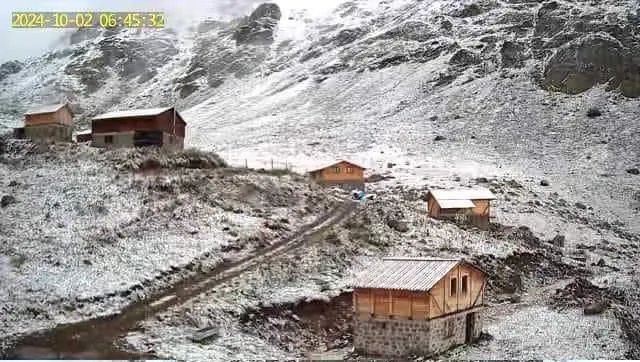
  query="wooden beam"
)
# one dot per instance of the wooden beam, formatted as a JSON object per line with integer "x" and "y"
{"x": 410, "y": 305}
{"x": 458, "y": 281}
{"x": 480, "y": 292}
{"x": 372, "y": 301}
{"x": 437, "y": 305}
{"x": 390, "y": 303}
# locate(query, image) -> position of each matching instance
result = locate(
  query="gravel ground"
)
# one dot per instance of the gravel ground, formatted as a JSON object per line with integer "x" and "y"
{"x": 87, "y": 235}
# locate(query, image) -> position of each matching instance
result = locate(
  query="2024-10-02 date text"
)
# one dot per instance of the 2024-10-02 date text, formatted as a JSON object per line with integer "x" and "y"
{"x": 53, "y": 19}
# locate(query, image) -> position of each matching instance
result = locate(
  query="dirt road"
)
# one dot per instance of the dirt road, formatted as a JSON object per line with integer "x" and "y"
{"x": 97, "y": 338}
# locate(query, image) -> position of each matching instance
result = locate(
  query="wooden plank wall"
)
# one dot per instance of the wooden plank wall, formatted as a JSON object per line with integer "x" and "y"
{"x": 442, "y": 302}
{"x": 481, "y": 207}
{"x": 384, "y": 303}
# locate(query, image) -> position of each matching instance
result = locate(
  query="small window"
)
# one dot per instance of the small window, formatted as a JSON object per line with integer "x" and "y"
{"x": 464, "y": 288}
{"x": 336, "y": 169}
{"x": 453, "y": 286}
{"x": 349, "y": 170}
{"x": 108, "y": 139}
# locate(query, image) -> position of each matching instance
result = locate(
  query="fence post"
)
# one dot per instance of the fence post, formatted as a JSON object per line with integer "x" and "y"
{"x": 246, "y": 165}
{"x": 272, "y": 163}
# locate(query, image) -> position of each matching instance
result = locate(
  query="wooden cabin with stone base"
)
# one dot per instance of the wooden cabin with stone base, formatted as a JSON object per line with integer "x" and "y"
{"x": 417, "y": 306}
{"x": 160, "y": 127}
{"x": 51, "y": 123}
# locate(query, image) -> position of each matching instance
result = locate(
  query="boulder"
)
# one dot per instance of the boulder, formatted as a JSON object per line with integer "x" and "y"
{"x": 7, "y": 200}
{"x": 594, "y": 308}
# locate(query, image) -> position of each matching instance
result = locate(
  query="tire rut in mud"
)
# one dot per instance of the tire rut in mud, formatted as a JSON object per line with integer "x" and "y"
{"x": 97, "y": 337}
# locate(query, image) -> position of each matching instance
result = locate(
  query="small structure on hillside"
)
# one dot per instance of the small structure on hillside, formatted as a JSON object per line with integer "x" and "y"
{"x": 464, "y": 205}
{"x": 161, "y": 127}
{"x": 344, "y": 174}
{"x": 47, "y": 123}
{"x": 424, "y": 306}
{"x": 84, "y": 136}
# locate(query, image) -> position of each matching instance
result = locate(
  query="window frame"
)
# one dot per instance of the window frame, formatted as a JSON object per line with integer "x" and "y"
{"x": 337, "y": 169}
{"x": 453, "y": 286}
{"x": 349, "y": 170}
{"x": 464, "y": 284}
{"x": 108, "y": 139}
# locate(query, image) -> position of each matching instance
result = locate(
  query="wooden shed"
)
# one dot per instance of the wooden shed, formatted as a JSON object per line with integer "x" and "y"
{"x": 345, "y": 174}
{"x": 50, "y": 123}
{"x": 465, "y": 205}
{"x": 161, "y": 127}
{"x": 405, "y": 306}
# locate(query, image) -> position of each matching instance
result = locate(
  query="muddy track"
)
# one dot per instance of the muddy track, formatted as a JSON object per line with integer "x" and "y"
{"x": 97, "y": 337}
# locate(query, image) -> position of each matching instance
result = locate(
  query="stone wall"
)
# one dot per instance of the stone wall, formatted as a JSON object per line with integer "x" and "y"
{"x": 389, "y": 337}
{"x": 123, "y": 139}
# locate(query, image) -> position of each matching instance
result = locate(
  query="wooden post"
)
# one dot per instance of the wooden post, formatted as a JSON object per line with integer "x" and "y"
{"x": 410, "y": 305}
{"x": 390, "y": 303}
{"x": 371, "y": 301}
{"x": 458, "y": 281}
{"x": 272, "y": 163}
{"x": 246, "y": 164}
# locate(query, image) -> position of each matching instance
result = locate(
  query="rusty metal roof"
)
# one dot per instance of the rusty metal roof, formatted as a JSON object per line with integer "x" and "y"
{"x": 463, "y": 194}
{"x": 402, "y": 273}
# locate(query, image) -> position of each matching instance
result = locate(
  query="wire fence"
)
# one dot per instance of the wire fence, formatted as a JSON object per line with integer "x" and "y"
{"x": 267, "y": 165}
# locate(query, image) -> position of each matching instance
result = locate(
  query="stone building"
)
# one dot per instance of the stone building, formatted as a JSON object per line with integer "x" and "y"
{"x": 161, "y": 127}
{"x": 417, "y": 306}
{"x": 47, "y": 123}
{"x": 463, "y": 205}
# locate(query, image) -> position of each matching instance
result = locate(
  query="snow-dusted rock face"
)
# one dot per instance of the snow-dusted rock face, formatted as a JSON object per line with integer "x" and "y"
{"x": 562, "y": 44}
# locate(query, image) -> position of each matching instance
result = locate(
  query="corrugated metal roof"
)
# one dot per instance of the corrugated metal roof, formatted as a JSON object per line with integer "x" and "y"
{"x": 417, "y": 274}
{"x": 463, "y": 194}
{"x": 45, "y": 109}
{"x": 323, "y": 166}
{"x": 133, "y": 113}
{"x": 455, "y": 204}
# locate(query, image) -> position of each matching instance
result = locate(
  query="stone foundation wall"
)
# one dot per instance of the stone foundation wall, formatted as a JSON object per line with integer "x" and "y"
{"x": 398, "y": 338}
{"x": 388, "y": 337}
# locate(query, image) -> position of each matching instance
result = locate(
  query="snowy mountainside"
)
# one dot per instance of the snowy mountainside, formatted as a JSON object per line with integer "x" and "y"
{"x": 506, "y": 83}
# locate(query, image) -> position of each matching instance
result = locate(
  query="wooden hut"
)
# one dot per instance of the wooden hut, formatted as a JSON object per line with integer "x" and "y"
{"x": 465, "y": 205}
{"x": 161, "y": 127}
{"x": 345, "y": 174}
{"x": 48, "y": 123}
{"x": 405, "y": 306}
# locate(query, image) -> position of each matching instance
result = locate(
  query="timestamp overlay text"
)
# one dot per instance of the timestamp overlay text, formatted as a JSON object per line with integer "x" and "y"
{"x": 84, "y": 19}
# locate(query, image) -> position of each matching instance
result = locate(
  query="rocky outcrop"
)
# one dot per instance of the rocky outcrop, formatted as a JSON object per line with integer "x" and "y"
{"x": 258, "y": 28}
{"x": 590, "y": 60}
{"x": 9, "y": 68}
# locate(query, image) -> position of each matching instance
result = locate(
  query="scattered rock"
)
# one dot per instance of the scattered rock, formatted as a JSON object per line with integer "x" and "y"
{"x": 515, "y": 298}
{"x": 580, "y": 205}
{"x": 601, "y": 263}
{"x": 440, "y": 138}
{"x": 558, "y": 240}
{"x": 390, "y": 164}
{"x": 7, "y": 200}
{"x": 593, "y": 112}
{"x": 377, "y": 178}
{"x": 633, "y": 171}
{"x": 594, "y": 308}
{"x": 482, "y": 180}
{"x": 544, "y": 183}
